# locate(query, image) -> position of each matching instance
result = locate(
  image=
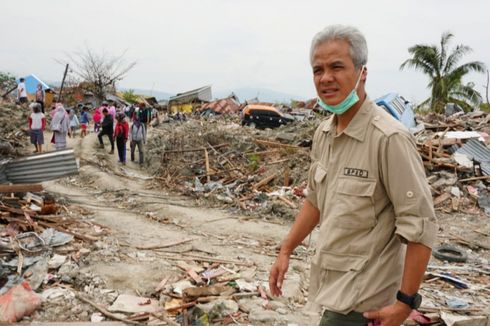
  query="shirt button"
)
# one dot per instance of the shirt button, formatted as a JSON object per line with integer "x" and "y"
{"x": 376, "y": 118}
{"x": 409, "y": 194}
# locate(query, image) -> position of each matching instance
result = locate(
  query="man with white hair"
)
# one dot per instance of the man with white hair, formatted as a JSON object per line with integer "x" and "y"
{"x": 367, "y": 190}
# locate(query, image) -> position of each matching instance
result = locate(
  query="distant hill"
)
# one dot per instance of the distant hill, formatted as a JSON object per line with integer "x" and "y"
{"x": 264, "y": 95}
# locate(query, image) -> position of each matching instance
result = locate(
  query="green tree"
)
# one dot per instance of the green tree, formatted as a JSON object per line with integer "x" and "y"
{"x": 441, "y": 65}
{"x": 7, "y": 82}
{"x": 130, "y": 97}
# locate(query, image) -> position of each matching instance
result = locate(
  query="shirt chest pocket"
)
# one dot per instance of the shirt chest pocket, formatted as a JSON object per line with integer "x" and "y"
{"x": 354, "y": 203}
{"x": 320, "y": 182}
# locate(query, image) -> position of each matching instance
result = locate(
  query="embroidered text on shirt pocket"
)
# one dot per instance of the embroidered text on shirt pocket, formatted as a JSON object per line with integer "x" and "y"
{"x": 354, "y": 204}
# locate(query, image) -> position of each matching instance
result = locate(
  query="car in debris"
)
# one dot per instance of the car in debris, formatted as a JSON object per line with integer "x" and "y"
{"x": 264, "y": 116}
{"x": 401, "y": 109}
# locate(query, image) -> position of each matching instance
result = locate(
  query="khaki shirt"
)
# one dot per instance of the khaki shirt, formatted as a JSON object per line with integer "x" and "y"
{"x": 370, "y": 187}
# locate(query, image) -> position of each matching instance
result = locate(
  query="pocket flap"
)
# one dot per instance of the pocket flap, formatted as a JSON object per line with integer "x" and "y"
{"x": 340, "y": 262}
{"x": 320, "y": 173}
{"x": 357, "y": 187}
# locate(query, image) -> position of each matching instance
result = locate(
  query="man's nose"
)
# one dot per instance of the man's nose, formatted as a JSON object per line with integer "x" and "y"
{"x": 326, "y": 77}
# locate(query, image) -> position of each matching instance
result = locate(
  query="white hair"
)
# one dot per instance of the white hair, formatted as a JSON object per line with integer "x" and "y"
{"x": 357, "y": 42}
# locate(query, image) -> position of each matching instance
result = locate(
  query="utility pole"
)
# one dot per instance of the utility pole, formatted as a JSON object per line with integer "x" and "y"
{"x": 60, "y": 97}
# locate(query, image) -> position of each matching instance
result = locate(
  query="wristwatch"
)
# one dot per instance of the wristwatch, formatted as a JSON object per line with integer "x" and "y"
{"x": 413, "y": 301}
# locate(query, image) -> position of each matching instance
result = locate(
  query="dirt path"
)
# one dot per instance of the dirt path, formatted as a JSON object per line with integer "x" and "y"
{"x": 121, "y": 198}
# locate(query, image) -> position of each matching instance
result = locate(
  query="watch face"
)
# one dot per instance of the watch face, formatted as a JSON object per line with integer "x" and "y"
{"x": 417, "y": 301}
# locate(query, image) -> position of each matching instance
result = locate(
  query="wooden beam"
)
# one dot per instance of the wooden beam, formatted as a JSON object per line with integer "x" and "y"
{"x": 23, "y": 187}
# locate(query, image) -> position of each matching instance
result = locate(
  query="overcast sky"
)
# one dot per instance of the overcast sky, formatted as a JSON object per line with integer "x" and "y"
{"x": 180, "y": 45}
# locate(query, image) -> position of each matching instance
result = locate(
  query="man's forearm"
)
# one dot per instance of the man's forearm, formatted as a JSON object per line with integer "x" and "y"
{"x": 416, "y": 260}
{"x": 306, "y": 220}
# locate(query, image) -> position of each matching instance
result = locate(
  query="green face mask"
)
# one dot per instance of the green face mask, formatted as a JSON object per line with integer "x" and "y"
{"x": 346, "y": 104}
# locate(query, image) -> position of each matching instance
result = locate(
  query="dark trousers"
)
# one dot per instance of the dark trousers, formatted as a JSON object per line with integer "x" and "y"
{"x": 331, "y": 318}
{"x": 133, "y": 145}
{"x": 109, "y": 134}
{"x": 121, "y": 149}
{"x": 42, "y": 105}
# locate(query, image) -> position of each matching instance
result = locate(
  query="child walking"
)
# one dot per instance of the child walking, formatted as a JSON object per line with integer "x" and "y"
{"x": 37, "y": 123}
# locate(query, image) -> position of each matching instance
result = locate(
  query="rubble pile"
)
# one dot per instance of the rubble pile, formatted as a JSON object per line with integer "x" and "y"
{"x": 40, "y": 241}
{"x": 13, "y": 129}
{"x": 457, "y": 159}
{"x": 264, "y": 171}
{"x": 256, "y": 171}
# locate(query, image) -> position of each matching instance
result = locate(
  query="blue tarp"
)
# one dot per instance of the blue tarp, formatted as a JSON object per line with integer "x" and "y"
{"x": 31, "y": 82}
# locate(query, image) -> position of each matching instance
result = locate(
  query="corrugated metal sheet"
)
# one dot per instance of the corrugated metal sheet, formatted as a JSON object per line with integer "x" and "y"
{"x": 3, "y": 166}
{"x": 477, "y": 150}
{"x": 200, "y": 94}
{"x": 42, "y": 167}
{"x": 225, "y": 105}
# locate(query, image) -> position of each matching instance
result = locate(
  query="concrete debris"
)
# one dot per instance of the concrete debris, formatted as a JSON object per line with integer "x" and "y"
{"x": 134, "y": 304}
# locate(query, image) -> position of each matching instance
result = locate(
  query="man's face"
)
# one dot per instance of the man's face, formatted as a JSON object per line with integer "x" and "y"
{"x": 334, "y": 73}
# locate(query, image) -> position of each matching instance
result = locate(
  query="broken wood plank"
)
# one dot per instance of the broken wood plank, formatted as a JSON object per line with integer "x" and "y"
{"x": 485, "y": 177}
{"x": 186, "y": 256}
{"x": 286, "y": 177}
{"x": 442, "y": 198}
{"x": 162, "y": 284}
{"x": 264, "y": 181}
{"x": 105, "y": 311}
{"x": 165, "y": 245}
{"x": 208, "y": 170}
{"x": 276, "y": 144}
{"x": 193, "y": 149}
{"x": 206, "y": 291}
{"x": 17, "y": 211}
{"x": 195, "y": 277}
{"x": 287, "y": 201}
{"x": 24, "y": 187}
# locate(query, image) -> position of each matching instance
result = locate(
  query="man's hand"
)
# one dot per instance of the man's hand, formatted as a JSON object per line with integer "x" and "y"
{"x": 276, "y": 276}
{"x": 393, "y": 315}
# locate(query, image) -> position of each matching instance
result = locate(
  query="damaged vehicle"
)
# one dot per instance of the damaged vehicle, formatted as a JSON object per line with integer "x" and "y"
{"x": 264, "y": 116}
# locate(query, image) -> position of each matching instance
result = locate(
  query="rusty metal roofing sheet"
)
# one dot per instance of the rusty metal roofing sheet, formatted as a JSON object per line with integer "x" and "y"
{"x": 478, "y": 151}
{"x": 225, "y": 105}
{"x": 42, "y": 167}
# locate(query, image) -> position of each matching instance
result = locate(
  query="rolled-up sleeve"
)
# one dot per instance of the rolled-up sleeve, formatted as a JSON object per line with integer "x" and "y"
{"x": 407, "y": 187}
{"x": 311, "y": 194}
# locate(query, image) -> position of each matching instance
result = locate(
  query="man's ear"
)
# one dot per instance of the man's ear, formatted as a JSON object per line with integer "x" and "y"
{"x": 364, "y": 74}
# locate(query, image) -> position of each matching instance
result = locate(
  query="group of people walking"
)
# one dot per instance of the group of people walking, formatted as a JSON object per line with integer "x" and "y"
{"x": 120, "y": 132}
{"x": 108, "y": 121}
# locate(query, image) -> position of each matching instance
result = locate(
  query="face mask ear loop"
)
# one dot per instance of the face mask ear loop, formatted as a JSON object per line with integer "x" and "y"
{"x": 360, "y": 76}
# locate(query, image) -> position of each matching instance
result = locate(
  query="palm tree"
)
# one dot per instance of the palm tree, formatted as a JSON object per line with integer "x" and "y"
{"x": 445, "y": 74}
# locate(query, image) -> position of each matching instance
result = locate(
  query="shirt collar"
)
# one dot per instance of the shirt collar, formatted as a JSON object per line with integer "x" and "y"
{"x": 358, "y": 125}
